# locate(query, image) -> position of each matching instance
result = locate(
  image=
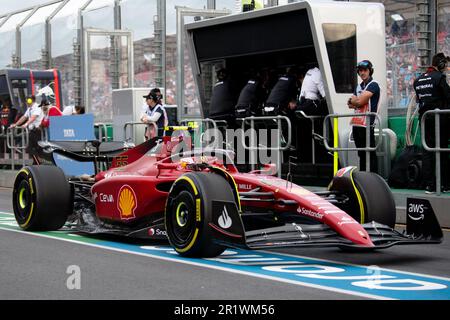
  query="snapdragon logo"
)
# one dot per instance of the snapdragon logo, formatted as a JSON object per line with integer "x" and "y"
{"x": 73, "y": 282}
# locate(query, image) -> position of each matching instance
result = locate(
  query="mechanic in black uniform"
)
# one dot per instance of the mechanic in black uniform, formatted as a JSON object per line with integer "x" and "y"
{"x": 284, "y": 94}
{"x": 223, "y": 99}
{"x": 433, "y": 92}
{"x": 282, "y": 100}
{"x": 251, "y": 98}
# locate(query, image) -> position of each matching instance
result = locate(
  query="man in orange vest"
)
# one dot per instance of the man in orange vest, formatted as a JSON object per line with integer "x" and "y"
{"x": 365, "y": 99}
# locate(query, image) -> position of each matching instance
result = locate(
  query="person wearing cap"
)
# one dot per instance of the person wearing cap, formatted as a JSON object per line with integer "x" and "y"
{"x": 154, "y": 112}
{"x": 365, "y": 99}
{"x": 32, "y": 120}
{"x": 32, "y": 117}
{"x": 433, "y": 92}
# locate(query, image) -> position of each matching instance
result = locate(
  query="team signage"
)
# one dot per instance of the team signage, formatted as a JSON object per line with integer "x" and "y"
{"x": 72, "y": 128}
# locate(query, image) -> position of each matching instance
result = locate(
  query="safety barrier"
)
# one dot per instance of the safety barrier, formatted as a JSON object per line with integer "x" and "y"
{"x": 20, "y": 149}
{"x": 133, "y": 124}
{"x": 279, "y": 149}
{"x": 206, "y": 121}
{"x": 437, "y": 150}
{"x": 102, "y": 127}
{"x": 313, "y": 140}
{"x": 335, "y": 147}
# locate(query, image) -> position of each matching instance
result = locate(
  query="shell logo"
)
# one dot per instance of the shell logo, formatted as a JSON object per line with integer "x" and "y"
{"x": 127, "y": 203}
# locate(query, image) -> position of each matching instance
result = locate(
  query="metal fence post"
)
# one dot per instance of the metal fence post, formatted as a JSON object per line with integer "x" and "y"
{"x": 368, "y": 148}
{"x": 437, "y": 133}
{"x": 437, "y": 149}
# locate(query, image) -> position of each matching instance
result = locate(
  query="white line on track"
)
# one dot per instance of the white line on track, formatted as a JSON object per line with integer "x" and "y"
{"x": 286, "y": 255}
{"x": 238, "y": 271}
{"x": 255, "y": 275}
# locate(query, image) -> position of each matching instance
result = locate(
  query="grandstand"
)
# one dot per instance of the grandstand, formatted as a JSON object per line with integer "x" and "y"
{"x": 402, "y": 31}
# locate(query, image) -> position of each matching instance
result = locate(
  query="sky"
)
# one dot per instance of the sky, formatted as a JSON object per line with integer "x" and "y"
{"x": 8, "y": 5}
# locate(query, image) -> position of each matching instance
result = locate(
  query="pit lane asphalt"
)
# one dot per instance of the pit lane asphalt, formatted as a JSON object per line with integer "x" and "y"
{"x": 35, "y": 268}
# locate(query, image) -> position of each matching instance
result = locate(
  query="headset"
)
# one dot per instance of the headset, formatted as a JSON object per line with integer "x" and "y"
{"x": 153, "y": 96}
{"x": 365, "y": 64}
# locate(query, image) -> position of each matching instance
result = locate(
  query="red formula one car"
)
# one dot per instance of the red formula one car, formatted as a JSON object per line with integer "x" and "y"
{"x": 203, "y": 204}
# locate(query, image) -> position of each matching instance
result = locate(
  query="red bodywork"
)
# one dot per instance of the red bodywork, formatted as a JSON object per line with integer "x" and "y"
{"x": 138, "y": 185}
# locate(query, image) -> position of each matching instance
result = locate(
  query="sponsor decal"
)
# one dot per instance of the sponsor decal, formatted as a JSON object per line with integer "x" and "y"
{"x": 127, "y": 203}
{"x": 108, "y": 198}
{"x": 121, "y": 161}
{"x": 343, "y": 171}
{"x": 69, "y": 133}
{"x": 421, "y": 217}
{"x": 225, "y": 221}
{"x": 157, "y": 232}
{"x": 245, "y": 186}
{"x": 416, "y": 211}
{"x": 311, "y": 213}
{"x": 346, "y": 220}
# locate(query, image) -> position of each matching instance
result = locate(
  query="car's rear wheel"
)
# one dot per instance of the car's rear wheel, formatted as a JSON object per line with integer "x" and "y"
{"x": 41, "y": 198}
{"x": 189, "y": 212}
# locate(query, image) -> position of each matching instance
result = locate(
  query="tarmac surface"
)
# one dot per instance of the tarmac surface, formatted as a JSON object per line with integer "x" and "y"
{"x": 34, "y": 266}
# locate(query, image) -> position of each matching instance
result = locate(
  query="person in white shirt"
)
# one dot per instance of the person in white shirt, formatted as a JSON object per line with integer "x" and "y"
{"x": 32, "y": 120}
{"x": 312, "y": 93}
{"x": 154, "y": 112}
{"x": 32, "y": 117}
{"x": 73, "y": 110}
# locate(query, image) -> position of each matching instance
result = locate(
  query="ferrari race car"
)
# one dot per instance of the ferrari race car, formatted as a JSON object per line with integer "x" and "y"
{"x": 203, "y": 204}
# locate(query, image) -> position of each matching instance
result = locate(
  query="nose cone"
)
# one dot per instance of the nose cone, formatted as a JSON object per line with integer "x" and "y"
{"x": 356, "y": 233}
{"x": 349, "y": 228}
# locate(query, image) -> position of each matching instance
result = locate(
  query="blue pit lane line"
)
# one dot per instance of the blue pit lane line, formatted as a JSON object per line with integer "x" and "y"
{"x": 363, "y": 281}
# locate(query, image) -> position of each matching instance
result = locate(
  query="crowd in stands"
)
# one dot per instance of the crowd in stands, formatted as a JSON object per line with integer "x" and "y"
{"x": 403, "y": 63}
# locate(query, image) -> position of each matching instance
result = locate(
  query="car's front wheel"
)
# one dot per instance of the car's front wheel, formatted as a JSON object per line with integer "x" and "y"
{"x": 189, "y": 211}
